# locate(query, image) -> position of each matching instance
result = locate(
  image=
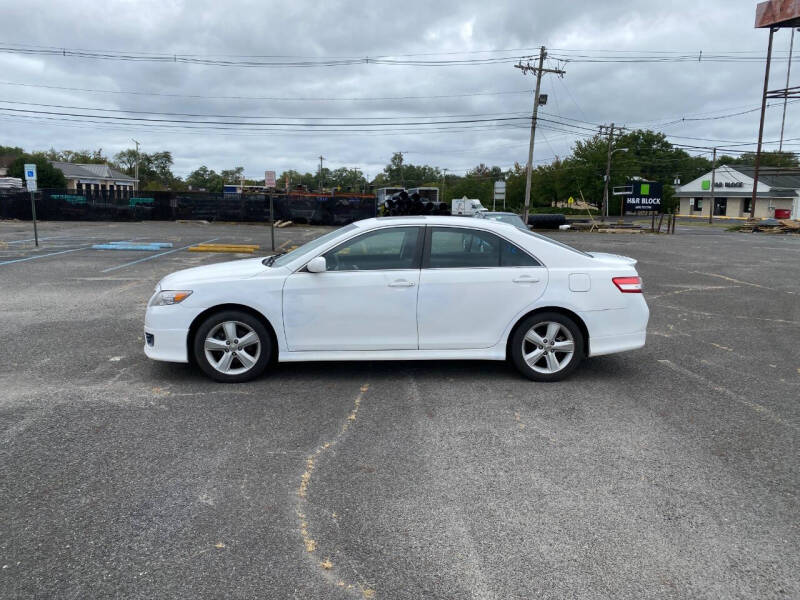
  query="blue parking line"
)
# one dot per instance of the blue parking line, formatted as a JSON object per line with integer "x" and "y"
{"x": 16, "y": 260}
{"x": 154, "y": 256}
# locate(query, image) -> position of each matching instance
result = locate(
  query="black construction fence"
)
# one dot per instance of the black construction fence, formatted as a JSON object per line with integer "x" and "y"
{"x": 115, "y": 205}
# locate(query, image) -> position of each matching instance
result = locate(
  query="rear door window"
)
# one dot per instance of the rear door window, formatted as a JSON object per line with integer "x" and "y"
{"x": 458, "y": 248}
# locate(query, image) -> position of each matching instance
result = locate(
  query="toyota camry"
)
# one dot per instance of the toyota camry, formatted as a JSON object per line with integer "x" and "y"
{"x": 402, "y": 288}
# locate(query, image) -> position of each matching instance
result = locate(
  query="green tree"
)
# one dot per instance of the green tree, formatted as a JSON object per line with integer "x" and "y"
{"x": 773, "y": 158}
{"x": 204, "y": 178}
{"x": 47, "y": 176}
{"x": 11, "y": 151}
{"x": 400, "y": 173}
{"x": 155, "y": 169}
{"x": 78, "y": 156}
{"x": 232, "y": 176}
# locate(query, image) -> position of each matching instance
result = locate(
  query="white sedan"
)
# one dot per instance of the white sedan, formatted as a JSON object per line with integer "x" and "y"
{"x": 402, "y": 288}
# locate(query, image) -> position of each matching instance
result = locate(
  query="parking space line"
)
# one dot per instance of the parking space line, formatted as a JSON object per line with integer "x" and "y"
{"x": 154, "y": 256}
{"x": 763, "y": 410}
{"x": 41, "y": 239}
{"x": 16, "y": 260}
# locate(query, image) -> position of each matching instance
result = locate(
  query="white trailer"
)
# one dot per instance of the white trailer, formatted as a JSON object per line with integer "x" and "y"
{"x": 467, "y": 207}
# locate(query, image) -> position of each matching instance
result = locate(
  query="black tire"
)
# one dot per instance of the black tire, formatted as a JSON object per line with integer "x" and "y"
{"x": 215, "y": 320}
{"x": 532, "y": 321}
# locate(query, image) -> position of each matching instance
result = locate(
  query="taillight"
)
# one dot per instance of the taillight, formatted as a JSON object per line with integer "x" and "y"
{"x": 628, "y": 285}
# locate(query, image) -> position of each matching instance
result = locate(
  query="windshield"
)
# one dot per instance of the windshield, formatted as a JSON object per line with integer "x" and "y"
{"x": 313, "y": 244}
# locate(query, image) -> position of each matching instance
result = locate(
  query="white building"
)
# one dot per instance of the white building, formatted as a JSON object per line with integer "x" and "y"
{"x": 95, "y": 178}
{"x": 778, "y": 193}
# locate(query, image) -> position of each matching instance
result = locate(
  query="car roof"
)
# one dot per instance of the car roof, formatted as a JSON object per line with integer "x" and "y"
{"x": 433, "y": 220}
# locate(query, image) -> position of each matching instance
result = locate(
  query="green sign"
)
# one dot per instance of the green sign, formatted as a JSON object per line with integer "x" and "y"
{"x": 706, "y": 184}
{"x": 645, "y": 189}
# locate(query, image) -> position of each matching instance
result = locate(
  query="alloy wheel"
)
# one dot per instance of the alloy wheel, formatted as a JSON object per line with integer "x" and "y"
{"x": 548, "y": 347}
{"x": 232, "y": 347}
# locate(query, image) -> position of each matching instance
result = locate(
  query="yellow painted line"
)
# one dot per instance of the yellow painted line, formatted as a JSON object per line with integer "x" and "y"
{"x": 721, "y": 218}
{"x": 253, "y": 246}
{"x": 222, "y": 249}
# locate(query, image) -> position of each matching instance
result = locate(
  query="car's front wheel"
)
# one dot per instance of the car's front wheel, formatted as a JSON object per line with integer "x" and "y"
{"x": 232, "y": 346}
{"x": 547, "y": 347}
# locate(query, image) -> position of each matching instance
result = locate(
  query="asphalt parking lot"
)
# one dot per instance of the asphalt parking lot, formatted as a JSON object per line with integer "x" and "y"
{"x": 669, "y": 472}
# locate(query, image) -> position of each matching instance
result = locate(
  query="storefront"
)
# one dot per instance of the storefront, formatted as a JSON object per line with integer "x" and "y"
{"x": 778, "y": 193}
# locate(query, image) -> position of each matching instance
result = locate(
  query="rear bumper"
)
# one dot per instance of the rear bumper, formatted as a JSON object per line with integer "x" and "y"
{"x": 618, "y": 330}
{"x": 616, "y": 343}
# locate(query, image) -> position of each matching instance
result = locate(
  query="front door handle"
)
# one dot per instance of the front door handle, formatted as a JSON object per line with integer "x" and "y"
{"x": 401, "y": 283}
{"x": 526, "y": 279}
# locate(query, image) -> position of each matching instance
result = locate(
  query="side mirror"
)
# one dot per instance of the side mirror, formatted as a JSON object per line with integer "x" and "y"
{"x": 317, "y": 265}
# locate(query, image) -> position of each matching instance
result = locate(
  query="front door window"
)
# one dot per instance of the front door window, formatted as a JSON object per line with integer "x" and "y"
{"x": 392, "y": 248}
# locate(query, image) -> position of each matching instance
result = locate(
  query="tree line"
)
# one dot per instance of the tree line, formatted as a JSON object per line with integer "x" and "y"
{"x": 647, "y": 154}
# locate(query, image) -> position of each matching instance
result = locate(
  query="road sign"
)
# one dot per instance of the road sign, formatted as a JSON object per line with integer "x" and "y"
{"x": 571, "y": 201}
{"x": 269, "y": 179}
{"x": 499, "y": 193}
{"x": 30, "y": 177}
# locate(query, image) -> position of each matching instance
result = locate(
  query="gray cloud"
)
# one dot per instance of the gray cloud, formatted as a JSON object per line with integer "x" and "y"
{"x": 633, "y": 94}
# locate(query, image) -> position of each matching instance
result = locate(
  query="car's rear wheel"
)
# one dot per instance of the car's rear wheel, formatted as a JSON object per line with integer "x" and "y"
{"x": 547, "y": 346}
{"x": 232, "y": 346}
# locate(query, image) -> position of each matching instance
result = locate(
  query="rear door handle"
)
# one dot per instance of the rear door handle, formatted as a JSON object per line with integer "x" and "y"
{"x": 401, "y": 283}
{"x": 526, "y": 279}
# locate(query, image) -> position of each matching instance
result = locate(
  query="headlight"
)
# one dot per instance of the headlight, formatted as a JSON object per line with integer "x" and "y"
{"x": 167, "y": 297}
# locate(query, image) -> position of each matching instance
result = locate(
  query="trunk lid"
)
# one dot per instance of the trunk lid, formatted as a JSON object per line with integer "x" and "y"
{"x": 614, "y": 259}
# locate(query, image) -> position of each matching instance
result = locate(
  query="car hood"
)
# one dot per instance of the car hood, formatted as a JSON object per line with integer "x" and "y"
{"x": 615, "y": 259}
{"x": 226, "y": 271}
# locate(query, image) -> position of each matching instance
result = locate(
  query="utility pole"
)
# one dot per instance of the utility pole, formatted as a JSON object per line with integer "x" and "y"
{"x": 321, "y": 158}
{"x": 136, "y": 168}
{"x": 538, "y": 71}
{"x": 444, "y": 183}
{"x": 786, "y": 98}
{"x": 713, "y": 186}
{"x": 605, "y": 211}
{"x": 757, "y": 166}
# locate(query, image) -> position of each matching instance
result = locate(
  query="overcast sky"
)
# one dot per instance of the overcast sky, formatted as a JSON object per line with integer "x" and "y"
{"x": 634, "y": 94}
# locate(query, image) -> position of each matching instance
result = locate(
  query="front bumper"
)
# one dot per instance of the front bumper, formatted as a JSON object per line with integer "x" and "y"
{"x": 167, "y": 327}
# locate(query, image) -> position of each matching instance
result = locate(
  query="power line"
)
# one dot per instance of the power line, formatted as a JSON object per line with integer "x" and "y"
{"x": 254, "y": 124}
{"x": 270, "y": 98}
{"x": 283, "y": 61}
{"x": 267, "y": 62}
{"x": 178, "y": 114}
